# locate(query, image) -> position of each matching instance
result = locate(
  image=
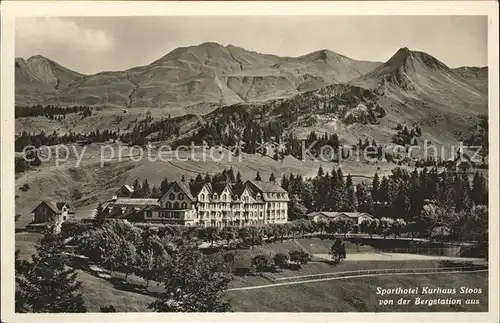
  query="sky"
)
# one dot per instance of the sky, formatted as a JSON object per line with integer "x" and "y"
{"x": 95, "y": 44}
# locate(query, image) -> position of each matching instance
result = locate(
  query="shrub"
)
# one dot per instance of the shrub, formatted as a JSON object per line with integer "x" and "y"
{"x": 76, "y": 195}
{"x": 295, "y": 255}
{"x": 281, "y": 260}
{"x": 260, "y": 262}
{"x": 108, "y": 309}
{"x": 243, "y": 271}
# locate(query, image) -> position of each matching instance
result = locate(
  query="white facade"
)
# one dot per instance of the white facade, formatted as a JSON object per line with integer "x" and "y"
{"x": 257, "y": 204}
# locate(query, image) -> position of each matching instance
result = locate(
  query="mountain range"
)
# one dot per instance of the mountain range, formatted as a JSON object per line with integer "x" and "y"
{"x": 187, "y": 76}
{"x": 413, "y": 87}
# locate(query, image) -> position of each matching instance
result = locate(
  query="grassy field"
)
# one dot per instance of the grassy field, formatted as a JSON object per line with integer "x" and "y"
{"x": 95, "y": 183}
{"x": 311, "y": 245}
{"x": 359, "y": 295}
{"x": 321, "y": 267}
{"x": 97, "y": 292}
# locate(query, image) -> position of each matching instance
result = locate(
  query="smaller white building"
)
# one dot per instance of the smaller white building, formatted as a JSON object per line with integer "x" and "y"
{"x": 50, "y": 213}
{"x": 358, "y": 217}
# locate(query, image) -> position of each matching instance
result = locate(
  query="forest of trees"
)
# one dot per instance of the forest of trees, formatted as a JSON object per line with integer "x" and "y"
{"x": 165, "y": 129}
{"x": 478, "y": 135}
{"x": 52, "y": 112}
{"x": 406, "y": 137}
{"x": 42, "y": 139}
{"x": 401, "y": 194}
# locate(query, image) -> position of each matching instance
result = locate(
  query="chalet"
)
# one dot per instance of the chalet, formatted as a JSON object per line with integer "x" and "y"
{"x": 47, "y": 213}
{"x": 124, "y": 191}
{"x": 358, "y": 217}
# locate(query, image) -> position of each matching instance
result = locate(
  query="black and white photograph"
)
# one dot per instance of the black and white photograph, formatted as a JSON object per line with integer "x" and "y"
{"x": 324, "y": 163}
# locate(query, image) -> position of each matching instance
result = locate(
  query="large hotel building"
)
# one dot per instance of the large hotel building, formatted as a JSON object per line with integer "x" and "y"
{"x": 204, "y": 204}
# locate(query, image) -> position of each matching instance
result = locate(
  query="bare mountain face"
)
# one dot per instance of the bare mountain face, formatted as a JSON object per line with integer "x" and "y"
{"x": 321, "y": 91}
{"x": 187, "y": 76}
{"x": 420, "y": 89}
{"x": 38, "y": 78}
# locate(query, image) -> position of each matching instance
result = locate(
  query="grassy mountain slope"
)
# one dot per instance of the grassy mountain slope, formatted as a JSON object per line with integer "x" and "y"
{"x": 419, "y": 89}
{"x": 477, "y": 76}
{"x": 187, "y": 76}
{"x": 38, "y": 79}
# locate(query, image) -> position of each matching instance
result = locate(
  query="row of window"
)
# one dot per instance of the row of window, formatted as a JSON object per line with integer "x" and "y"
{"x": 171, "y": 196}
{"x": 176, "y": 205}
{"x": 278, "y": 213}
{"x": 224, "y": 197}
{"x": 165, "y": 214}
{"x": 238, "y": 206}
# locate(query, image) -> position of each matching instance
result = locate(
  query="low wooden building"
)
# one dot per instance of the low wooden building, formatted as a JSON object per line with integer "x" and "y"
{"x": 49, "y": 213}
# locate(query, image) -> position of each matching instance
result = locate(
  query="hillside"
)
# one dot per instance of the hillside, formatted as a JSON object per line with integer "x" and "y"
{"x": 187, "y": 76}
{"x": 419, "y": 89}
{"x": 477, "y": 76}
{"x": 39, "y": 78}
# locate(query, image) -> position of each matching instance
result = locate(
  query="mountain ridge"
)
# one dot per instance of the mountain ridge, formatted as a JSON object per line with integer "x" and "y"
{"x": 185, "y": 77}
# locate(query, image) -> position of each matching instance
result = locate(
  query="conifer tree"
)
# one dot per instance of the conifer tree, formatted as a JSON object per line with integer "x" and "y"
{"x": 341, "y": 190}
{"x": 137, "y": 189}
{"x": 230, "y": 175}
{"x": 146, "y": 190}
{"x": 348, "y": 181}
{"x": 272, "y": 178}
{"x": 46, "y": 285}
{"x": 257, "y": 177}
{"x": 333, "y": 194}
{"x": 238, "y": 178}
{"x": 198, "y": 179}
{"x": 479, "y": 190}
{"x": 364, "y": 199}
{"x": 285, "y": 183}
{"x": 375, "y": 187}
{"x": 208, "y": 178}
{"x": 164, "y": 186}
{"x": 384, "y": 190}
{"x": 320, "y": 171}
{"x": 352, "y": 201}
{"x": 100, "y": 215}
{"x": 155, "y": 192}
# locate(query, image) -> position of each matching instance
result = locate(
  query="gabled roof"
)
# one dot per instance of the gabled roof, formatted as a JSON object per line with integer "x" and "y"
{"x": 266, "y": 187}
{"x": 196, "y": 187}
{"x": 135, "y": 201}
{"x": 55, "y": 206}
{"x": 220, "y": 187}
{"x": 128, "y": 188}
{"x": 183, "y": 187}
{"x": 238, "y": 189}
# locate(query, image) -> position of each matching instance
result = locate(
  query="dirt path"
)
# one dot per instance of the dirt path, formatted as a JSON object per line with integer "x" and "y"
{"x": 353, "y": 276}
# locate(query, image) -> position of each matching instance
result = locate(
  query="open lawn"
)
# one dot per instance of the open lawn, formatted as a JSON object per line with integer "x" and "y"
{"x": 321, "y": 267}
{"x": 243, "y": 257}
{"x": 353, "y": 294}
{"x": 359, "y": 294}
{"x": 99, "y": 292}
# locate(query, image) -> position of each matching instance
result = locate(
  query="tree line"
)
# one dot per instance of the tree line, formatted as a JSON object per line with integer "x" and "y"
{"x": 43, "y": 139}
{"x": 52, "y": 112}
